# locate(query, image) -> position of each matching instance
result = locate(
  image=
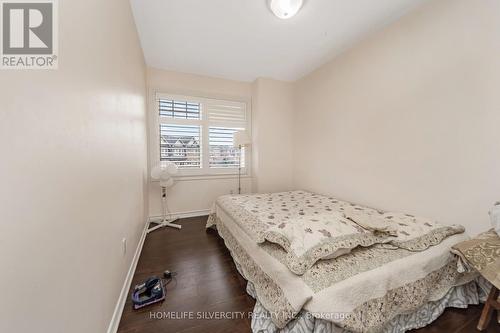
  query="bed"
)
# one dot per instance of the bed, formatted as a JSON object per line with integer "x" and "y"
{"x": 388, "y": 276}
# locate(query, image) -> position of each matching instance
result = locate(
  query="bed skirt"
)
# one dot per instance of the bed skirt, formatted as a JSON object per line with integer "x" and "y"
{"x": 457, "y": 297}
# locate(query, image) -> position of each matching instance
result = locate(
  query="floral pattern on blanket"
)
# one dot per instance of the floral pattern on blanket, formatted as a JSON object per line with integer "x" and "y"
{"x": 374, "y": 314}
{"x": 308, "y": 239}
{"x": 256, "y": 213}
{"x": 483, "y": 254}
{"x": 311, "y": 227}
{"x": 326, "y": 273}
{"x": 417, "y": 233}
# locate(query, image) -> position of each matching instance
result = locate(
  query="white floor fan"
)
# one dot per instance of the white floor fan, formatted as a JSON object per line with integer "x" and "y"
{"x": 164, "y": 174}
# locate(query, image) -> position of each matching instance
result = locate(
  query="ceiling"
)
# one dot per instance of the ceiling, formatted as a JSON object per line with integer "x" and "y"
{"x": 242, "y": 40}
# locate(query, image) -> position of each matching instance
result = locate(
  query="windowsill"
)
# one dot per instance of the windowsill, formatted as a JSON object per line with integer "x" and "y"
{"x": 207, "y": 177}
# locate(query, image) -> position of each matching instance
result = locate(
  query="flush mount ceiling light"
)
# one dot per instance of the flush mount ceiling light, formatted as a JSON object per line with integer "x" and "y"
{"x": 285, "y": 9}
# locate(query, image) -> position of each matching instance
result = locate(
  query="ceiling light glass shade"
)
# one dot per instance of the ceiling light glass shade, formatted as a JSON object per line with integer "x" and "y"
{"x": 285, "y": 9}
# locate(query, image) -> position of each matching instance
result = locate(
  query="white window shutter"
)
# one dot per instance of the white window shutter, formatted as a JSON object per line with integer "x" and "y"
{"x": 227, "y": 113}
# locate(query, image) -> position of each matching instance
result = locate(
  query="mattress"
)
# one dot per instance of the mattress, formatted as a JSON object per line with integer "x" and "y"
{"x": 359, "y": 292}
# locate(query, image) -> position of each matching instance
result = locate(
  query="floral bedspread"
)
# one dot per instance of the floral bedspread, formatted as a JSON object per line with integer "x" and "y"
{"x": 311, "y": 227}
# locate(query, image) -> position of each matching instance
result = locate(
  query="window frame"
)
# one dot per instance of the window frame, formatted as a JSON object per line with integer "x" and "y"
{"x": 204, "y": 172}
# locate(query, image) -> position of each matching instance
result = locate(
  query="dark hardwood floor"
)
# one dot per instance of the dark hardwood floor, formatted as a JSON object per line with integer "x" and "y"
{"x": 207, "y": 281}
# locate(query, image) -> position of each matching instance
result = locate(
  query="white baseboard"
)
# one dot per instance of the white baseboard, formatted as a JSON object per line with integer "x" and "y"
{"x": 183, "y": 215}
{"x": 120, "y": 304}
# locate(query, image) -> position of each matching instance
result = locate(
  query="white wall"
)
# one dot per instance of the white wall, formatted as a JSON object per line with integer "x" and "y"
{"x": 272, "y": 118}
{"x": 72, "y": 174}
{"x": 188, "y": 196}
{"x": 408, "y": 119}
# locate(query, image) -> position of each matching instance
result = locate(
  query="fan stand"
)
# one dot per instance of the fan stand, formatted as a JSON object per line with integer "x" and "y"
{"x": 164, "y": 220}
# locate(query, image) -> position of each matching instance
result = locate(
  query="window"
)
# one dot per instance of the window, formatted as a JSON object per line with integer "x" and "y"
{"x": 197, "y": 134}
{"x": 180, "y": 144}
{"x": 222, "y": 152}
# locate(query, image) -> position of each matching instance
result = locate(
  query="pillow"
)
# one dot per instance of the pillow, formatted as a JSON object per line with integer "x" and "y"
{"x": 307, "y": 239}
{"x": 412, "y": 233}
{"x": 370, "y": 219}
{"x": 417, "y": 233}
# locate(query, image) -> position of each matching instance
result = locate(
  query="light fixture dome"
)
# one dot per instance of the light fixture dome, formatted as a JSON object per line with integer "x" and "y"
{"x": 285, "y": 9}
